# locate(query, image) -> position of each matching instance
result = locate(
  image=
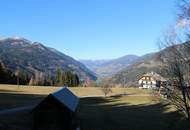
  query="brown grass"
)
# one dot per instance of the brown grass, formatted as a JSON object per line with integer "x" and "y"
{"x": 79, "y": 91}
{"x": 12, "y": 96}
{"x": 136, "y": 112}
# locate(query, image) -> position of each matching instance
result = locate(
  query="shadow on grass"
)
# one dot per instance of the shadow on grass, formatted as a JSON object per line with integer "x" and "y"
{"x": 18, "y": 120}
{"x": 99, "y": 113}
{"x": 107, "y": 114}
{"x": 8, "y": 91}
{"x": 12, "y": 100}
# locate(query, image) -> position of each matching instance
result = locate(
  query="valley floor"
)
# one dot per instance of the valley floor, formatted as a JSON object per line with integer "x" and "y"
{"x": 134, "y": 111}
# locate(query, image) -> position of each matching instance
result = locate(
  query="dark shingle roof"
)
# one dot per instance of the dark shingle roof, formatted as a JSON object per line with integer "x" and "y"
{"x": 66, "y": 97}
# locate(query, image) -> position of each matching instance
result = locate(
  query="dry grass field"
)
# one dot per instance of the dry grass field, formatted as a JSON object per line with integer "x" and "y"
{"x": 134, "y": 111}
{"x": 12, "y": 96}
{"x": 79, "y": 91}
{"x": 129, "y": 113}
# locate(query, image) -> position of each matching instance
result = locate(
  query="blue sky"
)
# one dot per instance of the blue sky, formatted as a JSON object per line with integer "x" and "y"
{"x": 89, "y": 29}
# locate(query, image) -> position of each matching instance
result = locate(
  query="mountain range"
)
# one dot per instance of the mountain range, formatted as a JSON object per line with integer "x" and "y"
{"x": 107, "y": 68}
{"x": 131, "y": 74}
{"x": 156, "y": 62}
{"x": 128, "y": 69}
{"x": 34, "y": 56}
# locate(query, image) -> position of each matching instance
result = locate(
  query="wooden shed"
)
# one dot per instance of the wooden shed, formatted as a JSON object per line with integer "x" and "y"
{"x": 58, "y": 111}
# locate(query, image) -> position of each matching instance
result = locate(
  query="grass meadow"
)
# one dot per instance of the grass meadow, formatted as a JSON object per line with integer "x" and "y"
{"x": 137, "y": 110}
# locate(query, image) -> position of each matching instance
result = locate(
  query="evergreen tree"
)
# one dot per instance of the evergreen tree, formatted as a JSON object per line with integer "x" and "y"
{"x": 58, "y": 78}
{"x": 49, "y": 80}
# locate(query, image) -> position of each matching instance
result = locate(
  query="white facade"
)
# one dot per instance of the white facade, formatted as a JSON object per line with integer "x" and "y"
{"x": 150, "y": 80}
{"x": 147, "y": 84}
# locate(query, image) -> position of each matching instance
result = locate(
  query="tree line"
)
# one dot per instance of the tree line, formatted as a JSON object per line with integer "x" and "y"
{"x": 21, "y": 77}
{"x": 8, "y": 77}
{"x": 59, "y": 79}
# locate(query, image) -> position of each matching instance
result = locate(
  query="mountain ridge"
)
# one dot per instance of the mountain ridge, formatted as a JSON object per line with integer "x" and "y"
{"x": 155, "y": 62}
{"x": 107, "y": 68}
{"x": 34, "y": 56}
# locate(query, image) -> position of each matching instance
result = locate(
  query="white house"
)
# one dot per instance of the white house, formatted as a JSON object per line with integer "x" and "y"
{"x": 151, "y": 80}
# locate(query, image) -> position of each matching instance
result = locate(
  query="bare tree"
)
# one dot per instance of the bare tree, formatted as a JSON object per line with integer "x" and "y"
{"x": 17, "y": 74}
{"x": 177, "y": 65}
{"x": 177, "y": 60}
{"x": 31, "y": 82}
{"x": 106, "y": 87}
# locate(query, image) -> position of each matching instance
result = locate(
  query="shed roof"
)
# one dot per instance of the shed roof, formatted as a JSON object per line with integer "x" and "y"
{"x": 66, "y": 97}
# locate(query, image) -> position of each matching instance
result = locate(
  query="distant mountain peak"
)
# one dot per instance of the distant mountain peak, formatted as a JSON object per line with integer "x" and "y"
{"x": 34, "y": 56}
{"x": 13, "y": 41}
{"x": 39, "y": 45}
{"x": 107, "y": 68}
{"x": 17, "y": 38}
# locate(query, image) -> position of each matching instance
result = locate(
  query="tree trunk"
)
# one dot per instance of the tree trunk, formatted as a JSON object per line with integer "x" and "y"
{"x": 18, "y": 81}
{"x": 184, "y": 98}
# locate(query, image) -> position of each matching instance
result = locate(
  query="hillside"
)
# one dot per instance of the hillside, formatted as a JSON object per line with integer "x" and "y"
{"x": 33, "y": 56}
{"x": 147, "y": 63}
{"x": 107, "y": 68}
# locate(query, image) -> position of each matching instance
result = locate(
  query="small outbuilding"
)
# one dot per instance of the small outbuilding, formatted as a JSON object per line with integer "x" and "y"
{"x": 58, "y": 111}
